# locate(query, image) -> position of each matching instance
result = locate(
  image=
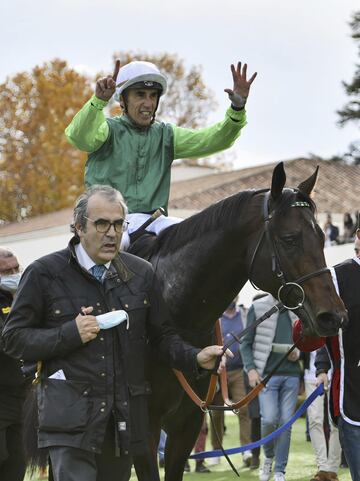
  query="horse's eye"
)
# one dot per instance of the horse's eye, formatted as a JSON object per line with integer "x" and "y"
{"x": 290, "y": 240}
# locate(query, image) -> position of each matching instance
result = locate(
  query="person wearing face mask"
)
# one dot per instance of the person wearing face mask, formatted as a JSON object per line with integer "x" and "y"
{"x": 12, "y": 382}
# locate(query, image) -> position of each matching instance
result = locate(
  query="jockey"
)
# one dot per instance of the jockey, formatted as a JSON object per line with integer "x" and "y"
{"x": 132, "y": 152}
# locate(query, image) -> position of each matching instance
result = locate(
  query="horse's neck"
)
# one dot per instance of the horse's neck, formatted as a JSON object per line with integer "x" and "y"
{"x": 201, "y": 278}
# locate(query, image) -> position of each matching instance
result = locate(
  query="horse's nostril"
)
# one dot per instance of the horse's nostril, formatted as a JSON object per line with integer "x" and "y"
{"x": 328, "y": 323}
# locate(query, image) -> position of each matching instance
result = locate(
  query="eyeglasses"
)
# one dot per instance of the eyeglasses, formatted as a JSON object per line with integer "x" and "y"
{"x": 103, "y": 225}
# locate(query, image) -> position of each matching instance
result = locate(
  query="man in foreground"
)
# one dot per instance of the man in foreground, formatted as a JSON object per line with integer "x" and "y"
{"x": 88, "y": 313}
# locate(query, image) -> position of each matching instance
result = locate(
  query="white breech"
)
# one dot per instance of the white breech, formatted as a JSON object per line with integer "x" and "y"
{"x": 137, "y": 220}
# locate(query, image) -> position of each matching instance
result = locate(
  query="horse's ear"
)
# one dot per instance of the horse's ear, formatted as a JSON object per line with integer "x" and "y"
{"x": 278, "y": 181}
{"x": 307, "y": 186}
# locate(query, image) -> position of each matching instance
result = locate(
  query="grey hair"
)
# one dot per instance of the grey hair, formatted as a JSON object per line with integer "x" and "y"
{"x": 81, "y": 203}
{"x": 5, "y": 252}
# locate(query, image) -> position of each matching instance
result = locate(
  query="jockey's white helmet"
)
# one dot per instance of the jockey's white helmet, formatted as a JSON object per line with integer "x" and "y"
{"x": 140, "y": 74}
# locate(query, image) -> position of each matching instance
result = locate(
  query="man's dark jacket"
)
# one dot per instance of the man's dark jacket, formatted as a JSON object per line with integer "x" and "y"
{"x": 105, "y": 375}
{"x": 12, "y": 382}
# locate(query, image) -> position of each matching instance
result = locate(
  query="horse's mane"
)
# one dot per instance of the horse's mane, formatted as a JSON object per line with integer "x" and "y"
{"x": 209, "y": 219}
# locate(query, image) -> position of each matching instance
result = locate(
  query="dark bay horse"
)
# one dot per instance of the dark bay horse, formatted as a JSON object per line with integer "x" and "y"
{"x": 204, "y": 261}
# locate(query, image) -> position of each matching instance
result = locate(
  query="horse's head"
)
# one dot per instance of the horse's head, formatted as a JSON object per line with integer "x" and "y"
{"x": 291, "y": 247}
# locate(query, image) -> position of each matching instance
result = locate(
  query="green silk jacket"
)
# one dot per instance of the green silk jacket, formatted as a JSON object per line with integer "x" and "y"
{"x": 137, "y": 161}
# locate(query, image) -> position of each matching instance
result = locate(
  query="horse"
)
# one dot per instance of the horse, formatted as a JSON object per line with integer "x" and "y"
{"x": 268, "y": 236}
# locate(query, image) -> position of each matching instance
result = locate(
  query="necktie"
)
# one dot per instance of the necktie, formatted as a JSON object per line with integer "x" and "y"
{"x": 98, "y": 271}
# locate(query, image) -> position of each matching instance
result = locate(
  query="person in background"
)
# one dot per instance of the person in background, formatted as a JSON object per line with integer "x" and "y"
{"x": 348, "y": 227}
{"x": 261, "y": 349}
{"x": 232, "y": 321}
{"x": 12, "y": 382}
{"x": 331, "y": 232}
{"x": 344, "y": 352}
{"x": 327, "y": 458}
{"x": 133, "y": 153}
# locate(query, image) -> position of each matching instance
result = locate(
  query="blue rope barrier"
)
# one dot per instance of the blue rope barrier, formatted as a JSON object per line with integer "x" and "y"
{"x": 319, "y": 391}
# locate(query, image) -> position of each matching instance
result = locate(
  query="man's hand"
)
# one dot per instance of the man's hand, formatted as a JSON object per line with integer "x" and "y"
{"x": 240, "y": 92}
{"x": 106, "y": 86}
{"x": 208, "y": 356}
{"x": 322, "y": 379}
{"x": 254, "y": 377}
{"x": 88, "y": 326}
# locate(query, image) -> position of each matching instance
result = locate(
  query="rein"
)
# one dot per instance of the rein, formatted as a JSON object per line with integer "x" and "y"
{"x": 205, "y": 405}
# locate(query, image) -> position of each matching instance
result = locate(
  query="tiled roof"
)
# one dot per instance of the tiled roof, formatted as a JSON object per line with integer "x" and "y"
{"x": 337, "y": 188}
{"x": 337, "y": 191}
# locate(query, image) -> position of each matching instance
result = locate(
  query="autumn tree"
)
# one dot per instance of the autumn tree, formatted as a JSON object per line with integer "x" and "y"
{"x": 351, "y": 111}
{"x": 188, "y": 101}
{"x": 39, "y": 170}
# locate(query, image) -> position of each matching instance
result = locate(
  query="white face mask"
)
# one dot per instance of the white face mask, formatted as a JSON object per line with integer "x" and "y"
{"x": 10, "y": 283}
{"x": 112, "y": 319}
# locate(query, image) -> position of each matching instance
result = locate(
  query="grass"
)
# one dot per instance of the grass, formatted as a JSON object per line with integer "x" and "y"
{"x": 301, "y": 465}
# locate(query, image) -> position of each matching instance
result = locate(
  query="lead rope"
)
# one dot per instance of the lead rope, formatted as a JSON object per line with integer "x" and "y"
{"x": 221, "y": 446}
{"x": 225, "y": 395}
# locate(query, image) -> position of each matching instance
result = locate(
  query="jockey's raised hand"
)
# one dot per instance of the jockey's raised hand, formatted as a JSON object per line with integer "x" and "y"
{"x": 105, "y": 86}
{"x": 240, "y": 91}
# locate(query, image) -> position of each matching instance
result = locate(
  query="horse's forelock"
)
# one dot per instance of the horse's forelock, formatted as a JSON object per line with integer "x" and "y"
{"x": 289, "y": 197}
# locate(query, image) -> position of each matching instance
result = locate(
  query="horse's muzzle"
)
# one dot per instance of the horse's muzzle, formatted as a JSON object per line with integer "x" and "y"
{"x": 329, "y": 323}
{"x": 322, "y": 323}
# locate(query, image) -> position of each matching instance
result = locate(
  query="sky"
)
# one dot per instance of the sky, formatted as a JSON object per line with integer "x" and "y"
{"x": 302, "y": 52}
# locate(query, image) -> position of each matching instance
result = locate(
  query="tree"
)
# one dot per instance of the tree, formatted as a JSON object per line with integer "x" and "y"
{"x": 39, "y": 170}
{"x": 351, "y": 111}
{"x": 188, "y": 101}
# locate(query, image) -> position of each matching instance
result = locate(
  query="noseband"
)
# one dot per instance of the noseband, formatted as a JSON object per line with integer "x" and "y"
{"x": 286, "y": 285}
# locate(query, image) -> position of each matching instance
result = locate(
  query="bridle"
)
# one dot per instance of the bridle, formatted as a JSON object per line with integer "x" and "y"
{"x": 286, "y": 285}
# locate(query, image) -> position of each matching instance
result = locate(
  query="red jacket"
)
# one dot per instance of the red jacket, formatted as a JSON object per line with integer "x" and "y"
{"x": 308, "y": 344}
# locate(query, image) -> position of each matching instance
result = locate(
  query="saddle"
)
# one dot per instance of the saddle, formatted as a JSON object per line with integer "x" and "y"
{"x": 141, "y": 240}
{"x": 142, "y": 246}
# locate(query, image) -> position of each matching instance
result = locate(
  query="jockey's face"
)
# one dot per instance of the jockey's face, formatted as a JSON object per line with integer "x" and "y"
{"x": 141, "y": 105}
{"x": 101, "y": 247}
